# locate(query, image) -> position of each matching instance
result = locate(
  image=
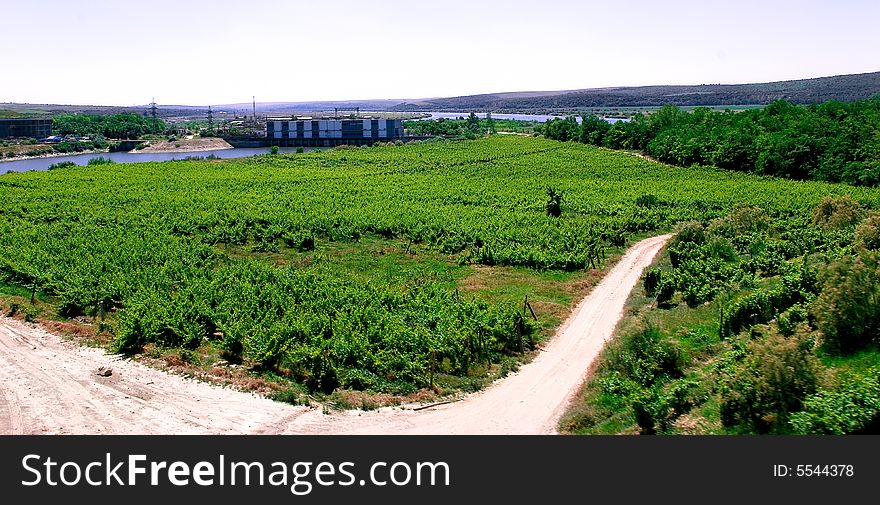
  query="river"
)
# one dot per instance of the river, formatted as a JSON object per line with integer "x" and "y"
{"x": 238, "y": 152}
{"x": 133, "y": 157}
{"x": 541, "y": 118}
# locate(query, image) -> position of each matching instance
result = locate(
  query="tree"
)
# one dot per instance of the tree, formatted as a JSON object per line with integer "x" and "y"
{"x": 473, "y": 122}
{"x": 868, "y": 233}
{"x": 837, "y": 212}
{"x": 848, "y": 307}
{"x": 777, "y": 374}
{"x": 554, "y": 202}
{"x": 593, "y": 130}
{"x": 490, "y": 123}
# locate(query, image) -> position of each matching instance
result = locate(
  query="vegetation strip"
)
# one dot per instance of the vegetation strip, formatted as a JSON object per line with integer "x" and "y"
{"x": 391, "y": 269}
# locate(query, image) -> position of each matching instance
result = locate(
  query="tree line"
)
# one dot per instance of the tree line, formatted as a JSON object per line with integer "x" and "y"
{"x": 115, "y": 126}
{"x": 833, "y": 141}
{"x": 469, "y": 126}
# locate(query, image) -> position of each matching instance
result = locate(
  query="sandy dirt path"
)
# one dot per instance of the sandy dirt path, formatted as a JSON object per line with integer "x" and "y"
{"x": 184, "y": 145}
{"x": 49, "y": 385}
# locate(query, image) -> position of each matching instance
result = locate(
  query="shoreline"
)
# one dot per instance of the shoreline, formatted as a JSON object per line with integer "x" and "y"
{"x": 158, "y": 149}
{"x": 185, "y": 145}
{"x": 53, "y": 155}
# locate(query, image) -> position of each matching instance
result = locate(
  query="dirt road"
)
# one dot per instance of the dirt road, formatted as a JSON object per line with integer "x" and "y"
{"x": 49, "y": 385}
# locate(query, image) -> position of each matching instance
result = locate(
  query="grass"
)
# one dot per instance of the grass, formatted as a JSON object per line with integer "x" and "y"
{"x": 552, "y": 294}
{"x": 167, "y": 218}
{"x": 694, "y": 331}
{"x": 602, "y": 409}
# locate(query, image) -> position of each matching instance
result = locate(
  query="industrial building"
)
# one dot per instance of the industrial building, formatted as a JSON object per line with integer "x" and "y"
{"x": 311, "y": 132}
{"x": 34, "y": 128}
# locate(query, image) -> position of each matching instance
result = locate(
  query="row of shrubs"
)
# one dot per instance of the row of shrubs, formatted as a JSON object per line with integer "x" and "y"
{"x": 823, "y": 298}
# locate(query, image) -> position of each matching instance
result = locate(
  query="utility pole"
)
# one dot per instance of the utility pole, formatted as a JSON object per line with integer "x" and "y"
{"x": 255, "y": 108}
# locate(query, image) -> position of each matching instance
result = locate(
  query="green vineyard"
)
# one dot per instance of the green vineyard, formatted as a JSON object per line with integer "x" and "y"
{"x": 235, "y": 253}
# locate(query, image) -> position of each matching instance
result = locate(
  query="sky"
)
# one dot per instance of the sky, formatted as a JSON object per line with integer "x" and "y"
{"x": 205, "y": 52}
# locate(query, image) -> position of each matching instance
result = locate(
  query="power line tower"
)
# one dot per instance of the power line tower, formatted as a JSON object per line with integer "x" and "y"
{"x": 210, "y": 119}
{"x": 153, "y": 108}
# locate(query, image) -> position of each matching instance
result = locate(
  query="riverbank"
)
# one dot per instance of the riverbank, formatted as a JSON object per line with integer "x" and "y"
{"x": 154, "y": 146}
{"x": 185, "y": 145}
{"x": 50, "y": 155}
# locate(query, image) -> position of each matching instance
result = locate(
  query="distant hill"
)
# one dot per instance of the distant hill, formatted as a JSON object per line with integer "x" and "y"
{"x": 845, "y": 88}
{"x": 842, "y": 87}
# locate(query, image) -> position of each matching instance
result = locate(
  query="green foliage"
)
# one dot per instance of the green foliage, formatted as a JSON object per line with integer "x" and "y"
{"x": 764, "y": 264}
{"x": 593, "y": 131}
{"x": 61, "y": 164}
{"x": 490, "y": 123}
{"x": 743, "y": 220}
{"x": 644, "y": 357}
{"x": 273, "y": 150}
{"x": 554, "y": 202}
{"x": 293, "y": 395}
{"x": 100, "y": 160}
{"x": 848, "y": 307}
{"x": 702, "y": 265}
{"x": 651, "y": 280}
{"x": 473, "y": 122}
{"x": 837, "y": 212}
{"x": 851, "y": 407}
{"x": 647, "y": 200}
{"x": 116, "y": 126}
{"x": 836, "y": 142}
{"x": 31, "y": 312}
{"x": 657, "y": 407}
{"x": 798, "y": 286}
{"x": 160, "y": 246}
{"x": 771, "y": 383}
{"x": 867, "y": 235}
{"x": 457, "y": 127}
{"x": 562, "y": 129}
{"x": 641, "y": 367}
{"x": 689, "y": 233}
{"x": 665, "y": 291}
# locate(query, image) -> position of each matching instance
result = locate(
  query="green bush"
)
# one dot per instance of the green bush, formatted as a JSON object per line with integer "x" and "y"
{"x": 554, "y": 202}
{"x": 100, "y": 160}
{"x": 61, "y": 164}
{"x": 644, "y": 356}
{"x": 868, "y": 233}
{"x": 31, "y": 313}
{"x": 665, "y": 291}
{"x": 647, "y": 201}
{"x": 848, "y": 307}
{"x": 690, "y": 232}
{"x": 651, "y": 280}
{"x": 837, "y": 212}
{"x": 799, "y": 285}
{"x": 852, "y": 407}
{"x": 657, "y": 407}
{"x": 762, "y": 391}
{"x": 742, "y": 220}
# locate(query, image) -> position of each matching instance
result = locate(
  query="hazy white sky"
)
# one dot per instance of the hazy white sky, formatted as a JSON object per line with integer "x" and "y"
{"x": 219, "y": 51}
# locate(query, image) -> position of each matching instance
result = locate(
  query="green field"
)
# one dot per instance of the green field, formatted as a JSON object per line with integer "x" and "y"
{"x": 386, "y": 269}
